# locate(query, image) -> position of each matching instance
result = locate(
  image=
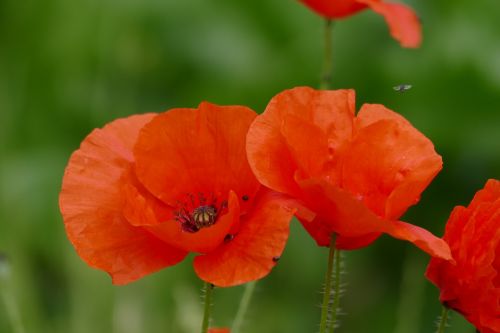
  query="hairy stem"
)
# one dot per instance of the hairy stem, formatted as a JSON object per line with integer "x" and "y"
{"x": 328, "y": 286}
{"x": 336, "y": 293}
{"x": 443, "y": 320}
{"x": 208, "y": 289}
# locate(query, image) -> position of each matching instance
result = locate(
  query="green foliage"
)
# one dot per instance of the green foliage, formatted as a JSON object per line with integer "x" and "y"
{"x": 67, "y": 67}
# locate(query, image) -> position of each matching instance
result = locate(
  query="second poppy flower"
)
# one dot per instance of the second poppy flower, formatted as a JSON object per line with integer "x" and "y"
{"x": 357, "y": 174}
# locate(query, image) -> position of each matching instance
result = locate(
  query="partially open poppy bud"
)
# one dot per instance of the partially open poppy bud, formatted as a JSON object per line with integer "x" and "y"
{"x": 403, "y": 23}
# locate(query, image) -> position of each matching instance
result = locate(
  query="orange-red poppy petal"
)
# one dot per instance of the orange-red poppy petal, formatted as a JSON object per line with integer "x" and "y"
{"x": 311, "y": 154}
{"x": 340, "y": 212}
{"x": 186, "y": 151}
{"x": 421, "y": 238}
{"x": 471, "y": 284}
{"x": 206, "y": 239}
{"x": 403, "y": 23}
{"x": 266, "y": 150}
{"x": 272, "y": 141}
{"x": 389, "y": 162}
{"x": 141, "y": 208}
{"x": 91, "y": 203}
{"x": 334, "y": 9}
{"x": 255, "y": 249}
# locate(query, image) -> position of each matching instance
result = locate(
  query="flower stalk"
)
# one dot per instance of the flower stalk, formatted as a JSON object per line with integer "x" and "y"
{"x": 326, "y": 75}
{"x": 10, "y": 304}
{"x": 443, "y": 320}
{"x": 325, "y": 308}
{"x": 336, "y": 293}
{"x": 208, "y": 291}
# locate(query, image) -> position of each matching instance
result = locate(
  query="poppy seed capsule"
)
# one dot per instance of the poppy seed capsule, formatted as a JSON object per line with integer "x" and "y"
{"x": 204, "y": 216}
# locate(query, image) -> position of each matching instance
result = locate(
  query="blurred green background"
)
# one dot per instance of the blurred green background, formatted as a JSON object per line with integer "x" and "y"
{"x": 67, "y": 67}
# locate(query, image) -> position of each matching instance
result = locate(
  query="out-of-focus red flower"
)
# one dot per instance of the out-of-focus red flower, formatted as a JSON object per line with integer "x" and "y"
{"x": 471, "y": 286}
{"x": 219, "y": 330}
{"x": 356, "y": 174}
{"x": 403, "y": 22}
{"x": 144, "y": 191}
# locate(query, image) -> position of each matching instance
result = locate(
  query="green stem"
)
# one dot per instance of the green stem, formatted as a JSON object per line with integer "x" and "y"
{"x": 244, "y": 303}
{"x": 8, "y": 298}
{"x": 326, "y": 75}
{"x": 443, "y": 320}
{"x": 336, "y": 293}
{"x": 328, "y": 286}
{"x": 208, "y": 303}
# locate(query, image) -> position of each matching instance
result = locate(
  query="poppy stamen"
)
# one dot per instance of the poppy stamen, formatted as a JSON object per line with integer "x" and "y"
{"x": 198, "y": 212}
{"x": 204, "y": 216}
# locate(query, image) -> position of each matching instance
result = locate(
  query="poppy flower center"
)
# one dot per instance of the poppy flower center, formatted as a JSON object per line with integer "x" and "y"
{"x": 197, "y": 213}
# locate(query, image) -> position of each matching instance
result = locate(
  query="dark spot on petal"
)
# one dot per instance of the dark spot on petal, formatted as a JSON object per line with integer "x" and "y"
{"x": 245, "y": 197}
{"x": 276, "y": 259}
{"x": 228, "y": 238}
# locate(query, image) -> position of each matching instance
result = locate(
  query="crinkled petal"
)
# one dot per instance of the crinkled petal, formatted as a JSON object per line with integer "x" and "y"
{"x": 339, "y": 212}
{"x": 267, "y": 153}
{"x": 389, "y": 163}
{"x": 91, "y": 203}
{"x": 255, "y": 249}
{"x": 309, "y": 154}
{"x": 471, "y": 285}
{"x": 272, "y": 141}
{"x": 186, "y": 151}
{"x": 403, "y": 23}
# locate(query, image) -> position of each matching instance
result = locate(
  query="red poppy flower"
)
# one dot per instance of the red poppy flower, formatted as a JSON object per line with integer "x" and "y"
{"x": 356, "y": 174}
{"x": 144, "y": 191}
{"x": 403, "y": 22}
{"x": 471, "y": 286}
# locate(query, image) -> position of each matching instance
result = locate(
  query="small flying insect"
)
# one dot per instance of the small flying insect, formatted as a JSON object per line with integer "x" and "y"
{"x": 402, "y": 87}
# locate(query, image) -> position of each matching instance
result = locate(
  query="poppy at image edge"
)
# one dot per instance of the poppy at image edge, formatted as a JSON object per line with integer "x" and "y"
{"x": 404, "y": 24}
{"x": 355, "y": 174}
{"x": 471, "y": 286}
{"x": 144, "y": 191}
